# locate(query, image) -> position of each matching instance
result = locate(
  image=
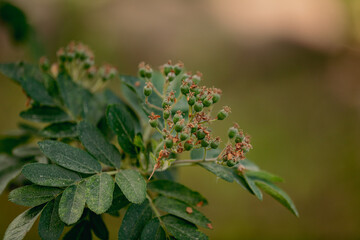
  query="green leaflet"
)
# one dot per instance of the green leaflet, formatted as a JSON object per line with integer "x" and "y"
{"x": 219, "y": 170}
{"x": 178, "y": 209}
{"x": 10, "y": 168}
{"x": 134, "y": 221}
{"x": 99, "y": 192}
{"x": 262, "y": 175}
{"x": 50, "y": 225}
{"x": 8, "y": 143}
{"x": 153, "y": 231}
{"x": 45, "y": 114}
{"x": 97, "y": 145}
{"x": 81, "y": 231}
{"x": 118, "y": 120}
{"x": 278, "y": 194}
{"x": 49, "y": 175}
{"x": 60, "y": 130}
{"x": 178, "y": 191}
{"x": 132, "y": 184}
{"x": 30, "y": 78}
{"x": 28, "y": 150}
{"x": 72, "y": 203}
{"x": 70, "y": 157}
{"x": 119, "y": 200}
{"x": 22, "y": 224}
{"x": 181, "y": 229}
{"x": 98, "y": 226}
{"x": 253, "y": 187}
{"x": 79, "y": 100}
{"x": 33, "y": 195}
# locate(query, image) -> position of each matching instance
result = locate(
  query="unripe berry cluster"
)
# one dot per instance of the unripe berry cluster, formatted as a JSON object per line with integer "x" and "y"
{"x": 78, "y": 60}
{"x": 184, "y": 131}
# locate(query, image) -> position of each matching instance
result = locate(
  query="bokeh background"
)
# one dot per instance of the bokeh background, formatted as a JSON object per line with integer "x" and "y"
{"x": 290, "y": 70}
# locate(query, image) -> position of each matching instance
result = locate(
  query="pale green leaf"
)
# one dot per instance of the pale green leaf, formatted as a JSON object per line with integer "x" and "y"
{"x": 132, "y": 184}
{"x": 72, "y": 204}
{"x": 99, "y": 192}
{"x": 33, "y": 195}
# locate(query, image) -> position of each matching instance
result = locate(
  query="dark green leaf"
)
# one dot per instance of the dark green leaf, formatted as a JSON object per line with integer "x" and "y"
{"x": 72, "y": 204}
{"x": 178, "y": 191}
{"x": 179, "y": 209}
{"x": 81, "y": 231}
{"x": 33, "y": 195}
{"x": 278, "y": 194}
{"x": 45, "y": 114}
{"x": 99, "y": 192}
{"x": 119, "y": 200}
{"x": 25, "y": 151}
{"x": 182, "y": 229}
{"x": 134, "y": 221}
{"x": 153, "y": 231}
{"x": 49, "y": 175}
{"x": 8, "y": 143}
{"x": 31, "y": 80}
{"x": 60, "y": 130}
{"x": 22, "y": 224}
{"x": 71, "y": 93}
{"x": 69, "y": 157}
{"x": 119, "y": 121}
{"x": 262, "y": 175}
{"x": 93, "y": 108}
{"x": 97, "y": 145}
{"x": 219, "y": 170}
{"x": 98, "y": 226}
{"x": 132, "y": 184}
{"x": 239, "y": 178}
{"x": 10, "y": 168}
{"x": 253, "y": 187}
{"x": 50, "y": 225}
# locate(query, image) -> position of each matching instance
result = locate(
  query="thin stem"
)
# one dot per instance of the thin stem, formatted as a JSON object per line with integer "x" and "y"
{"x": 204, "y": 154}
{"x": 112, "y": 172}
{"x": 194, "y": 161}
{"x": 153, "y": 207}
{"x": 154, "y": 106}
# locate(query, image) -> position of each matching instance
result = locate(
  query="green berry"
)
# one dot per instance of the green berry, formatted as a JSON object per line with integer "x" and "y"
{"x": 214, "y": 144}
{"x": 167, "y": 69}
{"x": 204, "y": 143}
{"x": 171, "y": 76}
{"x": 196, "y": 79}
{"x": 44, "y": 64}
{"x": 169, "y": 143}
{"x": 232, "y": 132}
{"x": 153, "y": 123}
{"x": 198, "y": 106}
{"x": 222, "y": 114}
{"x": 216, "y": 97}
{"x": 179, "y": 127}
{"x": 147, "y": 91}
{"x": 193, "y": 129}
{"x": 200, "y": 134}
{"x": 188, "y": 146}
{"x": 185, "y": 89}
{"x": 184, "y": 136}
{"x": 230, "y": 163}
{"x": 177, "y": 118}
{"x": 191, "y": 100}
{"x": 178, "y": 68}
{"x": 166, "y": 104}
{"x": 195, "y": 90}
{"x": 148, "y": 72}
{"x": 245, "y": 149}
{"x": 207, "y": 102}
{"x": 166, "y": 114}
{"x": 239, "y": 138}
{"x": 142, "y": 72}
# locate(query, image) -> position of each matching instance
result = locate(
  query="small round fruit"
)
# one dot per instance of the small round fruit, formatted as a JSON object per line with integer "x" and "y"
{"x": 153, "y": 123}
{"x": 200, "y": 134}
{"x": 166, "y": 104}
{"x": 179, "y": 127}
{"x": 188, "y": 146}
{"x": 216, "y": 97}
{"x": 207, "y": 102}
{"x": 232, "y": 132}
{"x": 142, "y": 72}
{"x": 166, "y": 114}
{"x": 222, "y": 115}
{"x": 230, "y": 163}
{"x": 198, "y": 106}
{"x": 214, "y": 145}
{"x": 239, "y": 138}
{"x": 169, "y": 143}
{"x": 185, "y": 89}
{"x": 184, "y": 136}
{"x": 191, "y": 100}
{"x": 204, "y": 143}
{"x": 147, "y": 91}
{"x": 171, "y": 76}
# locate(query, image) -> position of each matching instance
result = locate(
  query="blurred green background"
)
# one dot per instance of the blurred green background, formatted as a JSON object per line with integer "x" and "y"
{"x": 290, "y": 70}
